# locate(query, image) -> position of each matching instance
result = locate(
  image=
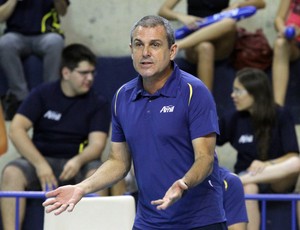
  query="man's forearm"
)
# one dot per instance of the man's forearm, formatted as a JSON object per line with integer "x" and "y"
{"x": 26, "y": 148}
{"x": 201, "y": 169}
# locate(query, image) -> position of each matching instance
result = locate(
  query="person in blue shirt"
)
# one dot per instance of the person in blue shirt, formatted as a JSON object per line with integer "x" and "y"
{"x": 264, "y": 136}
{"x": 233, "y": 200}
{"x": 165, "y": 121}
{"x": 32, "y": 27}
{"x": 70, "y": 123}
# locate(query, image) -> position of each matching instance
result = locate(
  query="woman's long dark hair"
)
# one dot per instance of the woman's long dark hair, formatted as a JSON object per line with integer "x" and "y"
{"x": 263, "y": 115}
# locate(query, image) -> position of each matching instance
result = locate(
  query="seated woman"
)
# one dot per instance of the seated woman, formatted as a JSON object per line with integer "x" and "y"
{"x": 264, "y": 136}
{"x": 3, "y": 134}
{"x": 213, "y": 42}
{"x": 285, "y": 50}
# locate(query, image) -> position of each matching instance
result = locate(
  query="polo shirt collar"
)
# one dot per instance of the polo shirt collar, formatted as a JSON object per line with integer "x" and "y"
{"x": 168, "y": 90}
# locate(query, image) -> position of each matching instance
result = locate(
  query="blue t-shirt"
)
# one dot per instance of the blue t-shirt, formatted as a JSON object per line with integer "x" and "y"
{"x": 237, "y": 128}
{"x": 33, "y": 17}
{"x": 159, "y": 130}
{"x": 233, "y": 198}
{"x": 61, "y": 124}
{"x": 204, "y": 8}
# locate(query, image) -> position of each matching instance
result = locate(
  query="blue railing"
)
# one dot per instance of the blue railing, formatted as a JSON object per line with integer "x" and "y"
{"x": 263, "y": 198}
{"x": 27, "y": 194}
{"x": 18, "y": 195}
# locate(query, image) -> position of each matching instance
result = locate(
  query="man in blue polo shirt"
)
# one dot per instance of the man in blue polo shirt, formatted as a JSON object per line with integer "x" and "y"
{"x": 32, "y": 27}
{"x": 165, "y": 121}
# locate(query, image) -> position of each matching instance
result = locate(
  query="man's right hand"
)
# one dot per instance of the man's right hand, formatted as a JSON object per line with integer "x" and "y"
{"x": 63, "y": 198}
{"x": 47, "y": 178}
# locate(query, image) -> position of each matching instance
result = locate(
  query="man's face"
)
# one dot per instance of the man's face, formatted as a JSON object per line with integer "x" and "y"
{"x": 80, "y": 79}
{"x": 150, "y": 52}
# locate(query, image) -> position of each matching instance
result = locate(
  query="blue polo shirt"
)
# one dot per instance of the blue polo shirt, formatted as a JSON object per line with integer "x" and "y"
{"x": 61, "y": 124}
{"x": 159, "y": 129}
{"x": 233, "y": 198}
{"x": 237, "y": 129}
{"x": 33, "y": 17}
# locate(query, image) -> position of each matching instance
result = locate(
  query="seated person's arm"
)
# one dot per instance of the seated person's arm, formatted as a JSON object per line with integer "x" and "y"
{"x": 283, "y": 158}
{"x": 19, "y": 136}
{"x": 93, "y": 151}
{"x": 280, "y": 16}
{"x": 61, "y": 6}
{"x": 18, "y": 133}
{"x": 167, "y": 11}
{"x": 6, "y": 9}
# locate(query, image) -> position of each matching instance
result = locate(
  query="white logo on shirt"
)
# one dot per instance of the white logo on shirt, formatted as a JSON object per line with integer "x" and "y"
{"x": 246, "y": 139}
{"x": 52, "y": 115}
{"x": 167, "y": 109}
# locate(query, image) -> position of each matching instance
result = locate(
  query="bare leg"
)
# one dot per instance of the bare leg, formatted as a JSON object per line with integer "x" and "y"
{"x": 212, "y": 32}
{"x": 280, "y": 70}
{"x": 205, "y": 63}
{"x": 119, "y": 188}
{"x": 252, "y": 207}
{"x": 12, "y": 180}
{"x": 208, "y": 44}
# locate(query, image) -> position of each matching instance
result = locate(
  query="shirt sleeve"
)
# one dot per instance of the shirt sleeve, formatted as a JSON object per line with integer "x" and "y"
{"x": 287, "y": 131}
{"x": 202, "y": 113}
{"x": 117, "y": 131}
{"x": 32, "y": 106}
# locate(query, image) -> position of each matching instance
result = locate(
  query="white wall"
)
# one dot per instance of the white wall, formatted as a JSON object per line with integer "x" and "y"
{"x": 105, "y": 25}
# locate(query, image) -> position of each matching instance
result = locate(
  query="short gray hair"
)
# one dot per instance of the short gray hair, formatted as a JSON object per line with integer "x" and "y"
{"x": 153, "y": 21}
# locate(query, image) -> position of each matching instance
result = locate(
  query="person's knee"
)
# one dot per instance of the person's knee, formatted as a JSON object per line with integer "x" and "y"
{"x": 229, "y": 24}
{"x": 53, "y": 41}
{"x": 8, "y": 42}
{"x": 12, "y": 175}
{"x": 206, "y": 48}
{"x": 280, "y": 44}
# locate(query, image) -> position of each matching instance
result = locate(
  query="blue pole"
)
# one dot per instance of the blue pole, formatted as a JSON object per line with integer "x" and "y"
{"x": 17, "y": 213}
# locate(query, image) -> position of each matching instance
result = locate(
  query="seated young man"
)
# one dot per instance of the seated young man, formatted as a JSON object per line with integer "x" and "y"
{"x": 70, "y": 126}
